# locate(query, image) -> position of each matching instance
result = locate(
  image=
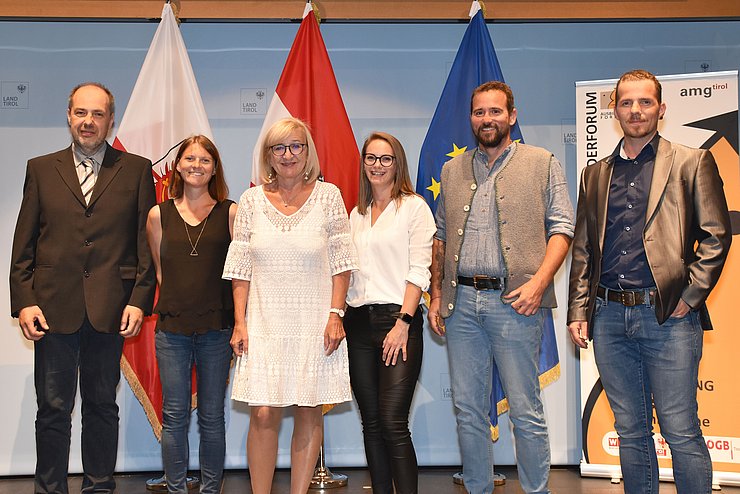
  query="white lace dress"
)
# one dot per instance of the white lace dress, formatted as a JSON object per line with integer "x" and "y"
{"x": 289, "y": 261}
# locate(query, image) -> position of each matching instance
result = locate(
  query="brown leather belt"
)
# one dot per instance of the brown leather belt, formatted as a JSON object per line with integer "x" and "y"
{"x": 628, "y": 298}
{"x": 480, "y": 282}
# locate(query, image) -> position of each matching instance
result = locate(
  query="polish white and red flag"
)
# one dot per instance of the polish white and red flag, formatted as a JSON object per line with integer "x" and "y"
{"x": 308, "y": 90}
{"x": 164, "y": 109}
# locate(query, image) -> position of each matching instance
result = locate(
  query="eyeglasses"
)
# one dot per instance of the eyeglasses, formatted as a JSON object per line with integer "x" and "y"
{"x": 279, "y": 150}
{"x": 386, "y": 160}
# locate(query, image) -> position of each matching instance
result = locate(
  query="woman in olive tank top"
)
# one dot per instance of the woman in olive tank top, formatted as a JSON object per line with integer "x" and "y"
{"x": 189, "y": 237}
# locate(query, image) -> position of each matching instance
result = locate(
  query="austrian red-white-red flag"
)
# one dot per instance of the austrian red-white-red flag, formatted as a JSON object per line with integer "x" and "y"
{"x": 165, "y": 107}
{"x": 308, "y": 90}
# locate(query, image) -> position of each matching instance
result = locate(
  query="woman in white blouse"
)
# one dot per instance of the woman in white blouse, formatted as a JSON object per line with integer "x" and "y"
{"x": 392, "y": 231}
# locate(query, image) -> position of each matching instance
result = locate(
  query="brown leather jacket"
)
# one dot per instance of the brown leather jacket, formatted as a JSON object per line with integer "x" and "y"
{"x": 687, "y": 231}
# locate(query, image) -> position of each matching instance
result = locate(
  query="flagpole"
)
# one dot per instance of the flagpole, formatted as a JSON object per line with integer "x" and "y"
{"x": 323, "y": 478}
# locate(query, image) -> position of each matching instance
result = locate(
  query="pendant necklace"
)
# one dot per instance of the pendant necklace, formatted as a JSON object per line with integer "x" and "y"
{"x": 194, "y": 246}
{"x": 287, "y": 202}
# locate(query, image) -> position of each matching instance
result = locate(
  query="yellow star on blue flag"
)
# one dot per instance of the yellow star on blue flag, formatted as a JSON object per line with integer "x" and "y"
{"x": 434, "y": 188}
{"x": 456, "y": 151}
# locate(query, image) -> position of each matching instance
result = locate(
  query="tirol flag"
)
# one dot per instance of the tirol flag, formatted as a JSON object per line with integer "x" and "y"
{"x": 450, "y": 135}
{"x": 308, "y": 90}
{"x": 165, "y": 108}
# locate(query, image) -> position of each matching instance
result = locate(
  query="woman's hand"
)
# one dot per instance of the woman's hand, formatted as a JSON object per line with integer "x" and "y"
{"x": 395, "y": 343}
{"x": 333, "y": 334}
{"x": 240, "y": 339}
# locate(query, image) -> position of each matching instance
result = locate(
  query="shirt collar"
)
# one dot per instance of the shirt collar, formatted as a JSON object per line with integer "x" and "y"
{"x": 482, "y": 157}
{"x": 648, "y": 151}
{"x": 98, "y": 155}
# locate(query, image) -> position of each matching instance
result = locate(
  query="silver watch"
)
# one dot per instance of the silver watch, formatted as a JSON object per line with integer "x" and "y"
{"x": 339, "y": 312}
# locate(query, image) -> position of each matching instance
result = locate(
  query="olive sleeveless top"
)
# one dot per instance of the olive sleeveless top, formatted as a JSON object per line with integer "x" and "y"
{"x": 192, "y": 297}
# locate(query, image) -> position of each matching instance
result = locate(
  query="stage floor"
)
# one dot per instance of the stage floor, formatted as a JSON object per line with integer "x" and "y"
{"x": 563, "y": 480}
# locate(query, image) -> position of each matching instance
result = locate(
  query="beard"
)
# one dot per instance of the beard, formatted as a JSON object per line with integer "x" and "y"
{"x": 645, "y": 129}
{"x": 87, "y": 144}
{"x": 494, "y": 139}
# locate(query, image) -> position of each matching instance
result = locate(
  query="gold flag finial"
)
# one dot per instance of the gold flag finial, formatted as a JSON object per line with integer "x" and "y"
{"x": 175, "y": 6}
{"x": 315, "y": 9}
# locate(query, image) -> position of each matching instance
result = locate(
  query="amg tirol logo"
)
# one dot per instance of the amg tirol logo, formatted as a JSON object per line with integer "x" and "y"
{"x": 701, "y": 91}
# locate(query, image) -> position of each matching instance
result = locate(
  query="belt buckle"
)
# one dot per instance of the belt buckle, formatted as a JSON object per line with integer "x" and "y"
{"x": 475, "y": 281}
{"x": 628, "y": 298}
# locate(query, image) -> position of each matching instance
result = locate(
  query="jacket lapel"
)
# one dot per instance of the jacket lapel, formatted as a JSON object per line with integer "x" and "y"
{"x": 108, "y": 170}
{"x": 661, "y": 171}
{"x": 66, "y": 169}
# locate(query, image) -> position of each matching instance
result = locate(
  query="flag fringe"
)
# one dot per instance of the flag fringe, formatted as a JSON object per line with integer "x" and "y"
{"x": 546, "y": 378}
{"x": 140, "y": 393}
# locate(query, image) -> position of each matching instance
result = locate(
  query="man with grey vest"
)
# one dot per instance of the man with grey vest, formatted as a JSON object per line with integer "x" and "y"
{"x": 504, "y": 225}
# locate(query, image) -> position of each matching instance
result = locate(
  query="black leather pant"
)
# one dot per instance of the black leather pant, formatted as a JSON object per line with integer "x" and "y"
{"x": 384, "y": 395}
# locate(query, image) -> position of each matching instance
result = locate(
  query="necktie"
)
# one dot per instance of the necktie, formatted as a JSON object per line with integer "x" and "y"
{"x": 87, "y": 178}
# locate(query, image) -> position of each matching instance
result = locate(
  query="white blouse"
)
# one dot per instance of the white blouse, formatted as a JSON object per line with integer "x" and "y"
{"x": 394, "y": 251}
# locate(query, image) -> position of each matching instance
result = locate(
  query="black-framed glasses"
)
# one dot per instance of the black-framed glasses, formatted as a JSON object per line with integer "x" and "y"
{"x": 386, "y": 160}
{"x": 279, "y": 150}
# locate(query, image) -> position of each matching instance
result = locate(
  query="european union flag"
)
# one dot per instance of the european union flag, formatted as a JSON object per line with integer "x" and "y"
{"x": 449, "y": 132}
{"x": 449, "y": 135}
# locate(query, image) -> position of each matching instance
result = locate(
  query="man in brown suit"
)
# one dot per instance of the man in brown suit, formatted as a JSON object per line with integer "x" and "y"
{"x": 81, "y": 280}
{"x": 652, "y": 234}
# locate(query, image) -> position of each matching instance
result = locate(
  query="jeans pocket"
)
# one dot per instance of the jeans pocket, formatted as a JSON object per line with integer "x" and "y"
{"x": 598, "y": 305}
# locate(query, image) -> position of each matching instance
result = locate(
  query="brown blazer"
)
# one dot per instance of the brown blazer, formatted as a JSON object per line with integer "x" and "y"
{"x": 71, "y": 259}
{"x": 687, "y": 231}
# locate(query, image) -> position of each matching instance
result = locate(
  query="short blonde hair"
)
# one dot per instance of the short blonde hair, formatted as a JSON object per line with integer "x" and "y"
{"x": 276, "y": 135}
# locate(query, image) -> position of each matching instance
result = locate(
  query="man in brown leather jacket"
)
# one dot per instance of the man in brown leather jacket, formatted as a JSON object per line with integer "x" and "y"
{"x": 652, "y": 235}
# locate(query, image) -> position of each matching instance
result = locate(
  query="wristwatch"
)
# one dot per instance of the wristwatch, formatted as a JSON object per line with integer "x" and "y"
{"x": 405, "y": 317}
{"x": 339, "y": 312}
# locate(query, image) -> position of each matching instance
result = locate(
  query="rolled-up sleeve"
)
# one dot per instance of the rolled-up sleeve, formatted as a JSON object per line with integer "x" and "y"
{"x": 421, "y": 231}
{"x": 559, "y": 218}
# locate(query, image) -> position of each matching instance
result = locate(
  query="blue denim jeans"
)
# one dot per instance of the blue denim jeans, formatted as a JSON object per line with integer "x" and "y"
{"x": 643, "y": 364}
{"x": 176, "y": 354}
{"x": 483, "y": 332}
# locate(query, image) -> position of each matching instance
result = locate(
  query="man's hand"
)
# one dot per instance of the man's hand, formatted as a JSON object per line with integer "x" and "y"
{"x": 526, "y": 299}
{"x": 681, "y": 309}
{"x": 436, "y": 322}
{"x": 131, "y": 321}
{"x": 578, "y": 331}
{"x": 33, "y": 323}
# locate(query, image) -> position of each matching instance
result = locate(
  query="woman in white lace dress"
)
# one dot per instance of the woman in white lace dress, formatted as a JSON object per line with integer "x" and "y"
{"x": 290, "y": 263}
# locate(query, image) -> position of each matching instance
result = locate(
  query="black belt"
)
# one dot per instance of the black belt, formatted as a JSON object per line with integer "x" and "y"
{"x": 480, "y": 282}
{"x": 628, "y": 298}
